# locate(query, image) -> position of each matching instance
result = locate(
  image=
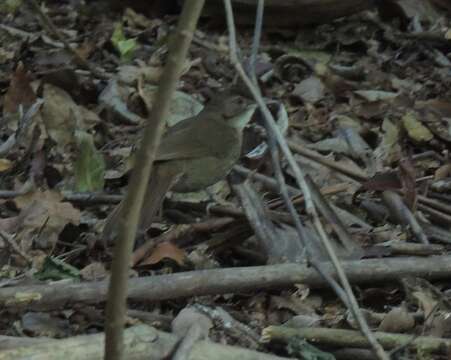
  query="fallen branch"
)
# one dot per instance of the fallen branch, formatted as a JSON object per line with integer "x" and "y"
{"x": 224, "y": 281}
{"x": 351, "y": 338}
{"x": 140, "y": 342}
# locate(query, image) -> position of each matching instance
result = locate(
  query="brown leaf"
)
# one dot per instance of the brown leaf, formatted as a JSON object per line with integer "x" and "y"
{"x": 166, "y": 250}
{"x": 86, "y": 49}
{"x": 19, "y": 92}
{"x": 408, "y": 180}
{"x": 43, "y": 217}
{"x": 383, "y": 181}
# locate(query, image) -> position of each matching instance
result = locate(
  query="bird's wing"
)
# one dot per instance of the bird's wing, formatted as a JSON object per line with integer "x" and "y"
{"x": 183, "y": 141}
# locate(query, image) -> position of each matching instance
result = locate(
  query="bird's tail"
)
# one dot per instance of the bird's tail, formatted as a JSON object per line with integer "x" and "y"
{"x": 162, "y": 179}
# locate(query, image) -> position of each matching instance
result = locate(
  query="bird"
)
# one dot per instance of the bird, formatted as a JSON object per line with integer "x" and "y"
{"x": 193, "y": 154}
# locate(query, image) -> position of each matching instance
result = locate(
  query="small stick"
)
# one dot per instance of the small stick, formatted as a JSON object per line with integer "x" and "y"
{"x": 434, "y": 204}
{"x": 13, "y": 244}
{"x": 256, "y": 39}
{"x": 436, "y": 214}
{"x": 313, "y": 155}
{"x": 269, "y": 182}
{"x": 403, "y": 214}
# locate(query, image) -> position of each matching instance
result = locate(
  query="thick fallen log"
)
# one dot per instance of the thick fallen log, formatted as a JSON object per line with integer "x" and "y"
{"x": 141, "y": 342}
{"x": 223, "y": 281}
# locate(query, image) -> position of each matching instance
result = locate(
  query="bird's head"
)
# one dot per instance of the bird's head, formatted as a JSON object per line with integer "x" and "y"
{"x": 237, "y": 110}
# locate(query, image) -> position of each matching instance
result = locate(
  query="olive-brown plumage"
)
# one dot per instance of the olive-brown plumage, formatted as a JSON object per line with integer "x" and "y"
{"x": 194, "y": 154}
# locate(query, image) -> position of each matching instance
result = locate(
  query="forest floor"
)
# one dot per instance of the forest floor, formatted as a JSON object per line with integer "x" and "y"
{"x": 364, "y": 104}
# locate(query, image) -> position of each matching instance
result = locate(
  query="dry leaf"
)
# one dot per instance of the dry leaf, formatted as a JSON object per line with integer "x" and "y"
{"x": 398, "y": 320}
{"x": 5, "y": 164}
{"x": 93, "y": 272}
{"x": 415, "y": 129}
{"x": 166, "y": 250}
{"x": 42, "y": 218}
{"x": 19, "y": 92}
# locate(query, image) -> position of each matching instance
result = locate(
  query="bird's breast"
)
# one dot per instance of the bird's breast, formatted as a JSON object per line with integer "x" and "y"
{"x": 200, "y": 173}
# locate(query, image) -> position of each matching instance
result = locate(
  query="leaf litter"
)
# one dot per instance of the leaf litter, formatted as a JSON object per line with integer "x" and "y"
{"x": 366, "y": 94}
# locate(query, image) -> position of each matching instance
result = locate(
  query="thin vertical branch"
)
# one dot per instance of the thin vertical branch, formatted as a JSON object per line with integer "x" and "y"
{"x": 300, "y": 229}
{"x": 256, "y": 39}
{"x": 127, "y": 225}
{"x": 299, "y": 176}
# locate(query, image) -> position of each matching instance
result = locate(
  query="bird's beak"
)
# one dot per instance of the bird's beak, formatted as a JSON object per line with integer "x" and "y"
{"x": 240, "y": 121}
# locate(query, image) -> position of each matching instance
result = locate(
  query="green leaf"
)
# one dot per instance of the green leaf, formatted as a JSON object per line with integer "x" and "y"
{"x": 90, "y": 165}
{"x": 125, "y": 47}
{"x": 55, "y": 269}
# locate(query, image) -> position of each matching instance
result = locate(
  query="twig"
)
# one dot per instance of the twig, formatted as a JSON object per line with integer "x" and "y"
{"x": 128, "y": 224}
{"x": 256, "y": 39}
{"x": 13, "y": 244}
{"x": 434, "y": 204}
{"x": 277, "y": 248}
{"x": 411, "y": 249}
{"x": 91, "y": 197}
{"x": 313, "y": 155}
{"x": 299, "y": 199}
{"x": 24, "y": 35}
{"x": 309, "y": 206}
{"x": 24, "y": 123}
{"x": 403, "y": 214}
{"x": 269, "y": 182}
{"x": 437, "y": 216}
{"x": 437, "y": 233}
{"x": 297, "y": 222}
{"x": 47, "y": 23}
{"x": 351, "y": 247}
